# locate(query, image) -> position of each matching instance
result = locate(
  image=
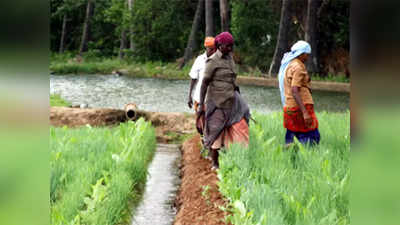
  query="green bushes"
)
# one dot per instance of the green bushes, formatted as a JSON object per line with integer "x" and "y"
{"x": 270, "y": 184}
{"x": 96, "y": 173}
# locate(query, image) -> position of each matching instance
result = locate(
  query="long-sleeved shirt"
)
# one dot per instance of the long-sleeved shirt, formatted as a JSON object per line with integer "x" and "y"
{"x": 197, "y": 73}
{"x": 220, "y": 69}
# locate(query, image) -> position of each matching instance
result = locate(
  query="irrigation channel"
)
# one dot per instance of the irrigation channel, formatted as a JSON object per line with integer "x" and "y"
{"x": 161, "y": 187}
{"x": 159, "y": 95}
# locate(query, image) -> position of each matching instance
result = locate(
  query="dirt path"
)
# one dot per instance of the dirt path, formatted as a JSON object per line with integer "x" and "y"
{"x": 198, "y": 205}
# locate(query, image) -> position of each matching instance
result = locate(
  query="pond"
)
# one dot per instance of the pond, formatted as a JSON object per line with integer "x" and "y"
{"x": 161, "y": 95}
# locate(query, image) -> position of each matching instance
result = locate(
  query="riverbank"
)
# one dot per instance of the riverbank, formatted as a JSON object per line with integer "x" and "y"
{"x": 169, "y": 127}
{"x": 56, "y": 100}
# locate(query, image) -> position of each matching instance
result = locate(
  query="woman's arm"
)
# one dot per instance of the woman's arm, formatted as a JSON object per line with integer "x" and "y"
{"x": 203, "y": 90}
{"x": 297, "y": 98}
{"x": 190, "y": 100}
{"x": 208, "y": 74}
{"x": 299, "y": 74}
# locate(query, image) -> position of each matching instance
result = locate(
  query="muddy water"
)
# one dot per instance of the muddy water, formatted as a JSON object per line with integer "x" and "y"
{"x": 160, "y": 95}
{"x": 161, "y": 186}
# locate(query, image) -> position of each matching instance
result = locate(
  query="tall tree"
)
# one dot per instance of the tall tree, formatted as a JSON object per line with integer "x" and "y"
{"x": 123, "y": 39}
{"x": 282, "y": 42}
{"x": 63, "y": 33}
{"x": 192, "y": 38}
{"x": 209, "y": 18}
{"x": 123, "y": 44}
{"x": 311, "y": 34}
{"x": 64, "y": 9}
{"x": 224, "y": 13}
{"x": 130, "y": 5}
{"x": 86, "y": 26}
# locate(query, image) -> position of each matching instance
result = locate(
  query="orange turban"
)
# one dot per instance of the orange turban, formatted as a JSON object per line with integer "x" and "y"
{"x": 209, "y": 42}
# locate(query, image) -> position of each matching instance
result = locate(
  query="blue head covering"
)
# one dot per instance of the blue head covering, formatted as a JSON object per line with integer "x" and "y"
{"x": 297, "y": 49}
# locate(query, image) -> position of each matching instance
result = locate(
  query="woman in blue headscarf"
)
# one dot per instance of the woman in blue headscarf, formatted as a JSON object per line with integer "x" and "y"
{"x": 295, "y": 88}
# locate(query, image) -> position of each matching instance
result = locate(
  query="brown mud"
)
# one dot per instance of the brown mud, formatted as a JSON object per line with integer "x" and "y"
{"x": 199, "y": 199}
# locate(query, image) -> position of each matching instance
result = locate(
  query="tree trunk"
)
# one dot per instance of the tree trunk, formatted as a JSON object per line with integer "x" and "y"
{"x": 192, "y": 38}
{"x": 209, "y": 18}
{"x": 282, "y": 42}
{"x": 123, "y": 44}
{"x": 63, "y": 32}
{"x": 86, "y": 27}
{"x": 130, "y": 5}
{"x": 224, "y": 13}
{"x": 311, "y": 34}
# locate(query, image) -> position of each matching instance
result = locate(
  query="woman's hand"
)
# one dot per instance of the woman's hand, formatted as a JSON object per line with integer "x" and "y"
{"x": 307, "y": 119}
{"x": 190, "y": 102}
{"x": 200, "y": 109}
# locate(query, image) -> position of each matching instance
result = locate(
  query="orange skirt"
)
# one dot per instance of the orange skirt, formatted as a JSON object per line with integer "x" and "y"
{"x": 237, "y": 133}
{"x": 293, "y": 119}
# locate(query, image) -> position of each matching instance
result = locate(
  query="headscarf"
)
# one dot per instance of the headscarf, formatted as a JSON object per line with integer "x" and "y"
{"x": 297, "y": 49}
{"x": 209, "y": 42}
{"x": 224, "y": 38}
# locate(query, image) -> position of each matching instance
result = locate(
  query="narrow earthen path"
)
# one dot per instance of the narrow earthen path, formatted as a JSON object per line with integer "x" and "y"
{"x": 199, "y": 198}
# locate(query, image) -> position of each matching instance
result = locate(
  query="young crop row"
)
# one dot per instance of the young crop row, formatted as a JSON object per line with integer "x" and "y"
{"x": 97, "y": 173}
{"x": 269, "y": 183}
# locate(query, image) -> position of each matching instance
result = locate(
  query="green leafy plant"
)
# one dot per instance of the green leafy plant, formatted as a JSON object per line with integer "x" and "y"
{"x": 96, "y": 173}
{"x": 270, "y": 184}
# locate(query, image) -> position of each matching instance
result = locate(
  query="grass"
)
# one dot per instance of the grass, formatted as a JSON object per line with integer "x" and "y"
{"x": 56, "y": 100}
{"x": 270, "y": 184}
{"x": 66, "y": 64}
{"x": 332, "y": 78}
{"x": 97, "y": 174}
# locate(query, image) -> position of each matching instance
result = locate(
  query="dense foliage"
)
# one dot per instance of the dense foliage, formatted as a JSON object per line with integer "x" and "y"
{"x": 255, "y": 27}
{"x": 270, "y": 184}
{"x": 161, "y": 28}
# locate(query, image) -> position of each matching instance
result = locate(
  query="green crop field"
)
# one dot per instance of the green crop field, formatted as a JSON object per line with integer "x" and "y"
{"x": 97, "y": 174}
{"x": 271, "y": 184}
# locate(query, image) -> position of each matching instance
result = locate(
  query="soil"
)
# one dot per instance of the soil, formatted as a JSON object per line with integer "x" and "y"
{"x": 165, "y": 123}
{"x": 195, "y": 206}
{"x": 74, "y": 117}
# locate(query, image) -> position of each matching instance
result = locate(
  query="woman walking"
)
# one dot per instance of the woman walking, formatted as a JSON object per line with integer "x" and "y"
{"x": 226, "y": 113}
{"x": 298, "y": 106}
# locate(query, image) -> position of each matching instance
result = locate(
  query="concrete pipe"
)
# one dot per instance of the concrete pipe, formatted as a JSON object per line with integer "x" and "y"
{"x": 131, "y": 111}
